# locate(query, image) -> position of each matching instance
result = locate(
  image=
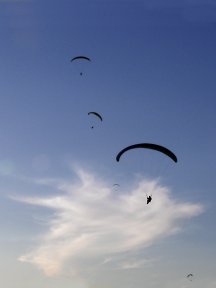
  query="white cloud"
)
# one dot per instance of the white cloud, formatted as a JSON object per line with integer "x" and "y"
{"x": 92, "y": 225}
{"x": 134, "y": 264}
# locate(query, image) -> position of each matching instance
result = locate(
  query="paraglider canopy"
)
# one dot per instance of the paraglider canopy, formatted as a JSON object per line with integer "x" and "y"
{"x": 156, "y": 147}
{"x": 81, "y": 58}
{"x": 190, "y": 276}
{"x": 116, "y": 186}
{"x": 97, "y": 115}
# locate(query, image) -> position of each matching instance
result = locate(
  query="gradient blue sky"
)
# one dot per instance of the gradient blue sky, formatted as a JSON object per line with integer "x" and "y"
{"x": 152, "y": 78}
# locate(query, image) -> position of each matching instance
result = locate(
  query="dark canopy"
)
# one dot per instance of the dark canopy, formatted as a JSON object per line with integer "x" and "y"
{"x": 96, "y": 114}
{"x": 156, "y": 147}
{"x": 80, "y": 57}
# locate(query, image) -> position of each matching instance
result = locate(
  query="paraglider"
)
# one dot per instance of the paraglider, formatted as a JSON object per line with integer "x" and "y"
{"x": 116, "y": 186}
{"x": 81, "y": 58}
{"x": 156, "y": 147}
{"x": 149, "y": 199}
{"x": 97, "y": 115}
{"x": 190, "y": 276}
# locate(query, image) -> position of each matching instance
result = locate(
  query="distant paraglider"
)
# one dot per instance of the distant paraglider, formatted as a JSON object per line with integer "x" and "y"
{"x": 149, "y": 199}
{"x": 190, "y": 276}
{"x": 156, "y": 147}
{"x": 81, "y": 58}
{"x": 97, "y": 115}
{"x": 116, "y": 185}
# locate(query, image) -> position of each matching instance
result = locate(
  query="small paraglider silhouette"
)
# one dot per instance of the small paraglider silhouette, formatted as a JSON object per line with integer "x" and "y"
{"x": 149, "y": 199}
{"x": 81, "y": 58}
{"x": 97, "y": 115}
{"x": 116, "y": 186}
{"x": 190, "y": 276}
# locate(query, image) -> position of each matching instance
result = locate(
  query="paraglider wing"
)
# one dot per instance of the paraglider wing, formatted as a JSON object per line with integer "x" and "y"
{"x": 190, "y": 276}
{"x": 156, "y": 147}
{"x": 80, "y": 57}
{"x": 96, "y": 114}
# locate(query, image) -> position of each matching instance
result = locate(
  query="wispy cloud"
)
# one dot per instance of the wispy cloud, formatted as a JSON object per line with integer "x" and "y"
{"x": 135, "y": 263}
{"x": 93, "y": 225}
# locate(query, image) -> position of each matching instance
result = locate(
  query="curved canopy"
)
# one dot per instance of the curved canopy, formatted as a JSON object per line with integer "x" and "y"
{"x": 80, "y": 57}
{"x": 96, "y": 114}
{"x": 156, "y": 147}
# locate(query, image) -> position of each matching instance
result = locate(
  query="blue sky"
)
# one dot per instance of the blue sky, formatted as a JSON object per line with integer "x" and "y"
{"x": 152, "y": 78}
